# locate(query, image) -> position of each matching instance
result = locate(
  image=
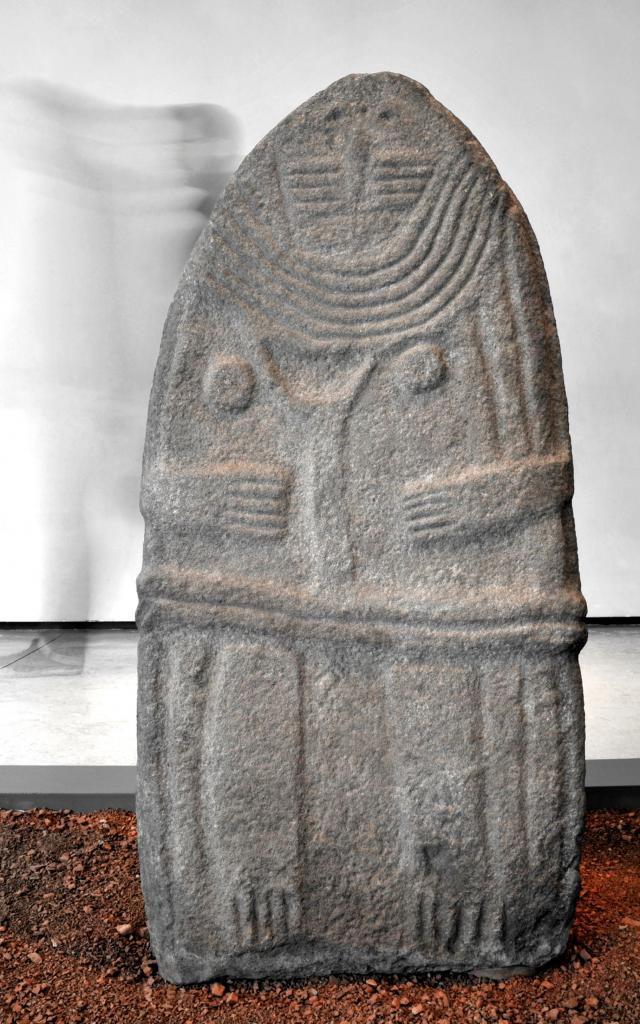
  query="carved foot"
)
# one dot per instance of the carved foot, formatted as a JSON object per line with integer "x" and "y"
{"x": 269, "y": 917}
{"x": 446, "y": 927}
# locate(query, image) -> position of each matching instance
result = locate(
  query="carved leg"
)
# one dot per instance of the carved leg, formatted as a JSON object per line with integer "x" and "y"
{"x": 175, "y": 671}
{"x": 532, "y": 713}
{"x": 252, "y": 772}
{"x": 435, "y": 729}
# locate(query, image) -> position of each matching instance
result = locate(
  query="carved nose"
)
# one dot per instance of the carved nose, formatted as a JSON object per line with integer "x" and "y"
{"x": 356, "y": 163}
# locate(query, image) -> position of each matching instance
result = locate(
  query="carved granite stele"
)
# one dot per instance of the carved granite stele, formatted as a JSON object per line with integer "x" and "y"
{"x": 360, "y": 709}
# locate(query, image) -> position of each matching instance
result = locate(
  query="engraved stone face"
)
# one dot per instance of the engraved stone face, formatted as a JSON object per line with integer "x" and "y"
{"x": 360, "y": 710}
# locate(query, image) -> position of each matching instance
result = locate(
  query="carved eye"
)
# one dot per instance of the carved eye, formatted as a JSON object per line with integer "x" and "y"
{"x": 229, "y": 383}
{"x": 421, "y": 368}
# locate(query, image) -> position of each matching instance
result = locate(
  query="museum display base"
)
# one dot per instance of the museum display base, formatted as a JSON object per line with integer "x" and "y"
{"x": 70, "y": 881}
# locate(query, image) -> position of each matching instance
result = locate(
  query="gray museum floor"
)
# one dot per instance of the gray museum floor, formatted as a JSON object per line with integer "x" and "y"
{"x": 68, "y": 706}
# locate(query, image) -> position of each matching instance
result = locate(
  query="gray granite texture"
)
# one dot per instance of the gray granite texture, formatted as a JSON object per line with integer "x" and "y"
{"x": 360, "y": 711}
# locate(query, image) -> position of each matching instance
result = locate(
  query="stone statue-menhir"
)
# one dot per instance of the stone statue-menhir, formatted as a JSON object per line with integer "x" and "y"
{"x": 360, "y": 709}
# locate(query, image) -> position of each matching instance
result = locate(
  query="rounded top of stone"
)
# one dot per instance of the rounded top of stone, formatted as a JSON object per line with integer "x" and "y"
{"x": 384, "y": 102}
{"x": 364, "y": 118}
{"x": 371, "y": 204}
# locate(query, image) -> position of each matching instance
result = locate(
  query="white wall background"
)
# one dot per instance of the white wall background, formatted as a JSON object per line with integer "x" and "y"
{"x": 552, "y": 91}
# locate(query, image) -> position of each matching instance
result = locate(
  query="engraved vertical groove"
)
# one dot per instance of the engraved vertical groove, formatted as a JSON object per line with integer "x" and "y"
{"x": 235, "y": 910}
{"x": 523, "y": 766}
{"x": 171, "y": 672}
{"x": 484, "y": 853}
{"x": 152, "y": 777}
{"x": 486, "y": 383}
{"x": 453, "y": 928}
{"x": 572, "y": 753}
{"x": 420, "y": 919}
{"x": 529, "y": 347}
{"x": 491, "y": 349}
{"x": 301, "y": 787}
{"x": 514, "y": 342}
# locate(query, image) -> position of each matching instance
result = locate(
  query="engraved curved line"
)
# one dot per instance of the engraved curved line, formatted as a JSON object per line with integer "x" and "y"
{"x": 453, "y": 192}
{"x": 345, "y": 394}
{"x": 279, "y": 259}
{"x": 420, "y": 317}
{"x": 431, "y": 320}
{"x": 341, "y": 273}
{"x": 442, "y": 248}
{"x": 336, "y": 280}
{"x": 335, "y": 342}
{"x": 363, "y": 282}
{"x": 451, "y": 173}
{"x": 448, "y": 267}
{"x": 436, "y": 276}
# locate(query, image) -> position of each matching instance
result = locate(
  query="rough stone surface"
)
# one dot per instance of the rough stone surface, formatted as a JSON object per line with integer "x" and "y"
{"x": 360, "y": 710}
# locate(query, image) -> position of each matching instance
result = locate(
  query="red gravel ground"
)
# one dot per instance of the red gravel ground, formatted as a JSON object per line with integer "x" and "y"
{"x": 74, "y": 948}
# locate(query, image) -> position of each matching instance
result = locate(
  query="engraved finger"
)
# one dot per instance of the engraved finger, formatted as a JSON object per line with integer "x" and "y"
{"x": 265, "y": 916}
{"x": 246, "y": 918}
{"x": 293, "y": 912}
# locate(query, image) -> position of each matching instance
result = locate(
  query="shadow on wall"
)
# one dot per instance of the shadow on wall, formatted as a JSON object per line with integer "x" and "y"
{"x": 103, "y": 206}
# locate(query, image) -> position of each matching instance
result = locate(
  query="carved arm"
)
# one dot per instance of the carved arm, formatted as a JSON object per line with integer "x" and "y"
{"x": 484, "y": 496}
